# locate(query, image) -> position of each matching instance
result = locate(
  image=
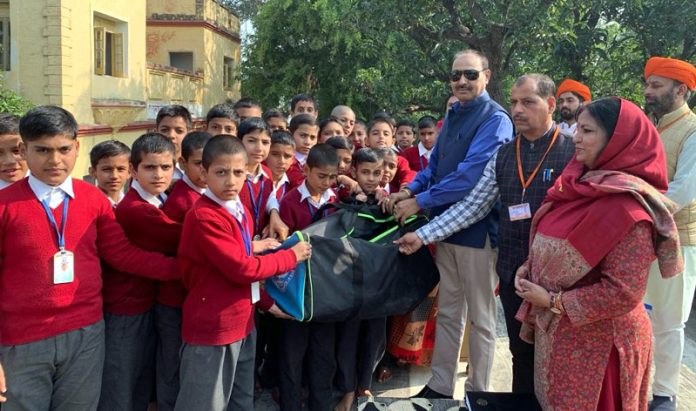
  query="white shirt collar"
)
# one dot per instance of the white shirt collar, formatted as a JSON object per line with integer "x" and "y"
{"x": 194, "y": 187}
{"x": 301, "y": 158}
{"x": 325, "y": 196}
{"x": 422, "y": 151}
{"x": 4, "y": 184}
{"x": 156, "y": 201}
{"x": 256, "y": 177}
{"x": 566, "y": 127}
{"x": 115, "y": 203}
{"x": 234, "y": 207}
{"x": 284, "y": 179}
{"x": 178, "y": 173}
{"x": 395, "y": 148}
{"x": 387, "y": 189}
{"x": 54, "y": 194}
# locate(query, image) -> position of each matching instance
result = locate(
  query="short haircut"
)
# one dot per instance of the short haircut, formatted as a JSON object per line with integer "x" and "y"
{"x": 360, "y": 122}
{"x": 151, "y": 143}
{"x": 222, "y": 110}
{"x": 341, "y": 109}
{"x": 47, "y": 121}
{"x": 283, "y": 137}
{"x": 107, "y": 149}
{"x": 302, "y": 97}
{"x": 427, "y": 122}
{"x": 193, "y": 141}
{"x": 340, "y": 143}
{"x": 174, "y": 110}
{"x": 273, "y": 113}
{"x": 545, "y": 87}
{"x": 322, "y": 155}
{"x": 385, "y": 152}
{"x": 365, "y": 155}
{"x": 479, "y": 54}
{"x": 330, "y": 119}
{"x": 250, "y": 125}
{"x": 383, "y": 115}
{"x": 380, "y": 119}
{"x": 301, "y": 120}
{"x": 246, "y": 102}
{"x": 407, "y": 123}
{"x": 9, "y": 124}
{"x": 222, "y": 145}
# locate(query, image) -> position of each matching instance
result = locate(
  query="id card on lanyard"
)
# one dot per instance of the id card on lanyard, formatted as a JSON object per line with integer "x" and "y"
{"x": 63, "y": 260}
{"x": 255, "y": 287}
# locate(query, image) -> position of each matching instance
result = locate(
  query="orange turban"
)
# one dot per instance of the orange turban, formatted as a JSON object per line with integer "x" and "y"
{"x": 674, "y": 69}
{"x": 576, "y": 87}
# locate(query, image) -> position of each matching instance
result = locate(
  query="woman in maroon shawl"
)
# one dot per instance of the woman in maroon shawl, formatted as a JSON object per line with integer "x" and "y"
{"x": 592, "y": 242}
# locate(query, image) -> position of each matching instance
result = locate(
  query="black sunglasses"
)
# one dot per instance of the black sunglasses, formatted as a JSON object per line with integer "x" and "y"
{"x": 470, "y": 75}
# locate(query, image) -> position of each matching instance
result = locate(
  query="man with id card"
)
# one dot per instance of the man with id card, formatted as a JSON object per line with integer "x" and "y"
{"x": 518, "y": 175}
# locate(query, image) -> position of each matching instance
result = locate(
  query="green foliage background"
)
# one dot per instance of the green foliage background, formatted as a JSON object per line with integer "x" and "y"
{"x": 11, "y": 102}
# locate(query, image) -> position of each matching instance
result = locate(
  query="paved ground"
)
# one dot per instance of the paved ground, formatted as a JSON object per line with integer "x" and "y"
{"x": 408, "y": 381}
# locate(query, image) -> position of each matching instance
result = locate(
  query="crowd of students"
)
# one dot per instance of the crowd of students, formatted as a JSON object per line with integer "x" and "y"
{"x": 149, "y": 285}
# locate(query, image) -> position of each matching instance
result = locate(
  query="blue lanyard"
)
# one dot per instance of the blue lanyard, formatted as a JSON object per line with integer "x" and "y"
{"x": 256, "y": 205}
{"x": 59, "y": 232}
{"x": 245, "y": 235}
{"x": 313, "y": 211}
{"x": 420, "y": 159}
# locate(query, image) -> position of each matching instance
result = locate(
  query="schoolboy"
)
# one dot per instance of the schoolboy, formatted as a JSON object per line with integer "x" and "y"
{"x": 404, "y": 135}
{"x": 256, "y": 137}
{"x": 221, "y": 119}
{"x": 380, "y": 134}
{"x": 346, "y": 116}
{"x": 109, "y": 167}
{"x": 303, "y": 104}
{"x": 275, "y": 119}
{"x": 359, "y": 134}
{"x": 247, "y": 108}
{"x": 305, "y": 132}
{"x": 174, "y": 122}
{"x": 13, "y": 167}
{"x": 280, "y": 158}
{"x": 221, "y": 275}
{"x": 313, "y": 342}
{"x": 129, "y": 318}
{"x": 170, "y": 295}
{"x": 345, "y": 185}
{"x": 390, "y": 162}
{"x": 419, "y": 156}
{"x": 54, "y": 232}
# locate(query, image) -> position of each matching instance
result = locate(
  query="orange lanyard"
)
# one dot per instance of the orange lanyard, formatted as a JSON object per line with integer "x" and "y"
{"x": 528, "y": 182}
{"x": 662, "y": 129}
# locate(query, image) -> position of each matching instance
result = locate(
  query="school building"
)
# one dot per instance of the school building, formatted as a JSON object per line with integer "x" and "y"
{"x": 115, "y": 63}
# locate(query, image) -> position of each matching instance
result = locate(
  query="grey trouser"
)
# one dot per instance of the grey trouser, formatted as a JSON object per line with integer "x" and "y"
{"x": 60, "y": 373}
{"x": 168, "y": 325}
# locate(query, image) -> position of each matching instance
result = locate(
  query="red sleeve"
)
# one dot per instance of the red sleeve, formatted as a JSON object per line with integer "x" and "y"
{"x": 266, "y": 302}
{"x": 163, "y": 233}
{"x": 287, "y": 213}
{"x": 295, "y": 174}
{"x": 404, "y": 174}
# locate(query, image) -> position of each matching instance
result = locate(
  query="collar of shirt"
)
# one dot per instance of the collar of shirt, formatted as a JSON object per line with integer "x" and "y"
{"x": 568, "y": 127}
{"x": 301, "y": 158}
{"x": 115, "y": 203}
{"x": 4, "y": 184}
{"x": 54, "y": 194}
{"x": 325, "y": 196}
{"x": 395, "y": 149}
{"x": 156, "y": 201}
{"x": 194, "y": 187}
{"x": 178, "y": 173}
{"x": 542, "y": 141}
{"x": 387, "y": 189}
{"x": 234, "y": 207}
{"x": 284, "y": 179}
{"x": 422, "y": 151}
{"x": 254, "y": 178}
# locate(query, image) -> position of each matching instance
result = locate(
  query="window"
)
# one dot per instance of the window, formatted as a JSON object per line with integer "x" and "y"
{"x": 181, "y": 60}
{"x": 228, "y": 73}
{"x": 108, "y": 52}
{"x": 5, "y": 44}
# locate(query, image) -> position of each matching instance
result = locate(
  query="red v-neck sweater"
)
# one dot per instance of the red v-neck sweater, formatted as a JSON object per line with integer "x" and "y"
{"x": 245, "y": 196}
{"x": 32, "y": 308}
{"x": 217, "y": 273}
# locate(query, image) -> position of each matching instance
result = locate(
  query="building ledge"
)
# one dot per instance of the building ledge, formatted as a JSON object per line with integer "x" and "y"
{"x": 174, "y": 70}
{"x": 160, "y": 22}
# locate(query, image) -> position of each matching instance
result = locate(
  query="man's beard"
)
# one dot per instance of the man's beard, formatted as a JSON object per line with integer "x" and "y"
{"x": 568, "y": 114}
{"x": 662, "y": 105}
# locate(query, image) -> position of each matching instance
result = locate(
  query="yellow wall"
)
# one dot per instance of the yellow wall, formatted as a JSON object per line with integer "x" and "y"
{"x": 171, "y": 7}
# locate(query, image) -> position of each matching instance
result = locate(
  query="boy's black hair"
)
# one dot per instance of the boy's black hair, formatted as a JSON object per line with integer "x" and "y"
{"x": 322, "y": 155}
{"x": 222, "y": 110}
{"x": 47, "y": 121}
{"x": 383, "y": 116}
{"x": 250, "y": 125}
{"x": 365, "y": 155}
{"x": 340, "y": 143}
{"x": 107, "y": 149}
{"x": 9, "y": 124}
{"x": 408, "y": 123}
{"x": 301, "y": 120}
{"x": 330, "y": 119}
{"x": 246, "y": 102}
{"x": 151, "y": 143}
{"x": 193, "y": 141}
{"x": 274, "y": 113}
{"x": 222, "y": 145}
{"x": 382, "y": 153}
{"x": 174, "y": 110}
{"x": 283, "y": 137}
{"x": 427, "y": 122}
{"x": 302, "y": 97}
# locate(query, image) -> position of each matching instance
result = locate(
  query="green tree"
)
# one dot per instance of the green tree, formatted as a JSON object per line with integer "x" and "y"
{"x": 11, "y": 102}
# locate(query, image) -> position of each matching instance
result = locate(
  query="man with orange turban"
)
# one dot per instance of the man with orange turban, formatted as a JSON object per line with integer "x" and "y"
{"x": 570, "y": 96}
{"x": 668, "y": 86}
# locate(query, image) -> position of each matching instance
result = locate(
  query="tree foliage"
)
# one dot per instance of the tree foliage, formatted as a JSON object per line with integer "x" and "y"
{"x": 395, "y": 56}
{"x": 11, "y": 102}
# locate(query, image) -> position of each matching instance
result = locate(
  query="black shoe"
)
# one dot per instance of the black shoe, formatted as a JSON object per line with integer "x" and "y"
{"x": 427, "y": 392}
{"x": 660, "y": 403}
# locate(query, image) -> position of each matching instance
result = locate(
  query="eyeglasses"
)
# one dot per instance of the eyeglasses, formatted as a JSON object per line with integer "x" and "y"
{"x": 470, "y": 75}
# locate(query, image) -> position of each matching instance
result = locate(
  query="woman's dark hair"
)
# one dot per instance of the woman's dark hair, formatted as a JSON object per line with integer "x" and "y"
{"x": 605, "y": 111}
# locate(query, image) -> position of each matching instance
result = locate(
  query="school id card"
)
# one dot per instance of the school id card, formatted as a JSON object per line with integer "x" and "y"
{"x": 63, "y": 267}
{"x": 520, "y": 212}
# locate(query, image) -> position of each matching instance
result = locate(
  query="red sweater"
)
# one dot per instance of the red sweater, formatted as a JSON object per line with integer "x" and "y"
{"x": 296, "y": 214}
{"x": 147, "y": 227}
{"x": 32, "y": 308}
{"x": 295, "y": 173}
{"x": 180, "y": 200}
{"x": 415, "y": 160}
{"x": 404, "y": 174}
{"x": 217, "y": 273}
{"x": 246, "y": 197}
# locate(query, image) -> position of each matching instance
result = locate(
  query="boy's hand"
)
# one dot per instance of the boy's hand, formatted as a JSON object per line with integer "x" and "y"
{"x": 276, "y": 227}
{"x": 389, "y": 202}
{"x": 362, "y": 197}
{"x": 3, "y": 385}
{"x": 350, "y": 184}
{"x": 278, "y": 313}
{"x": 302, "y": 251}
{"x": 409, "y": 243}
{"x": 264, "y": 245}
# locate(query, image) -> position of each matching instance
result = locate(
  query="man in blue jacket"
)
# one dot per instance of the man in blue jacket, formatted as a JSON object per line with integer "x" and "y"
{"x": 474, "y": 129}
